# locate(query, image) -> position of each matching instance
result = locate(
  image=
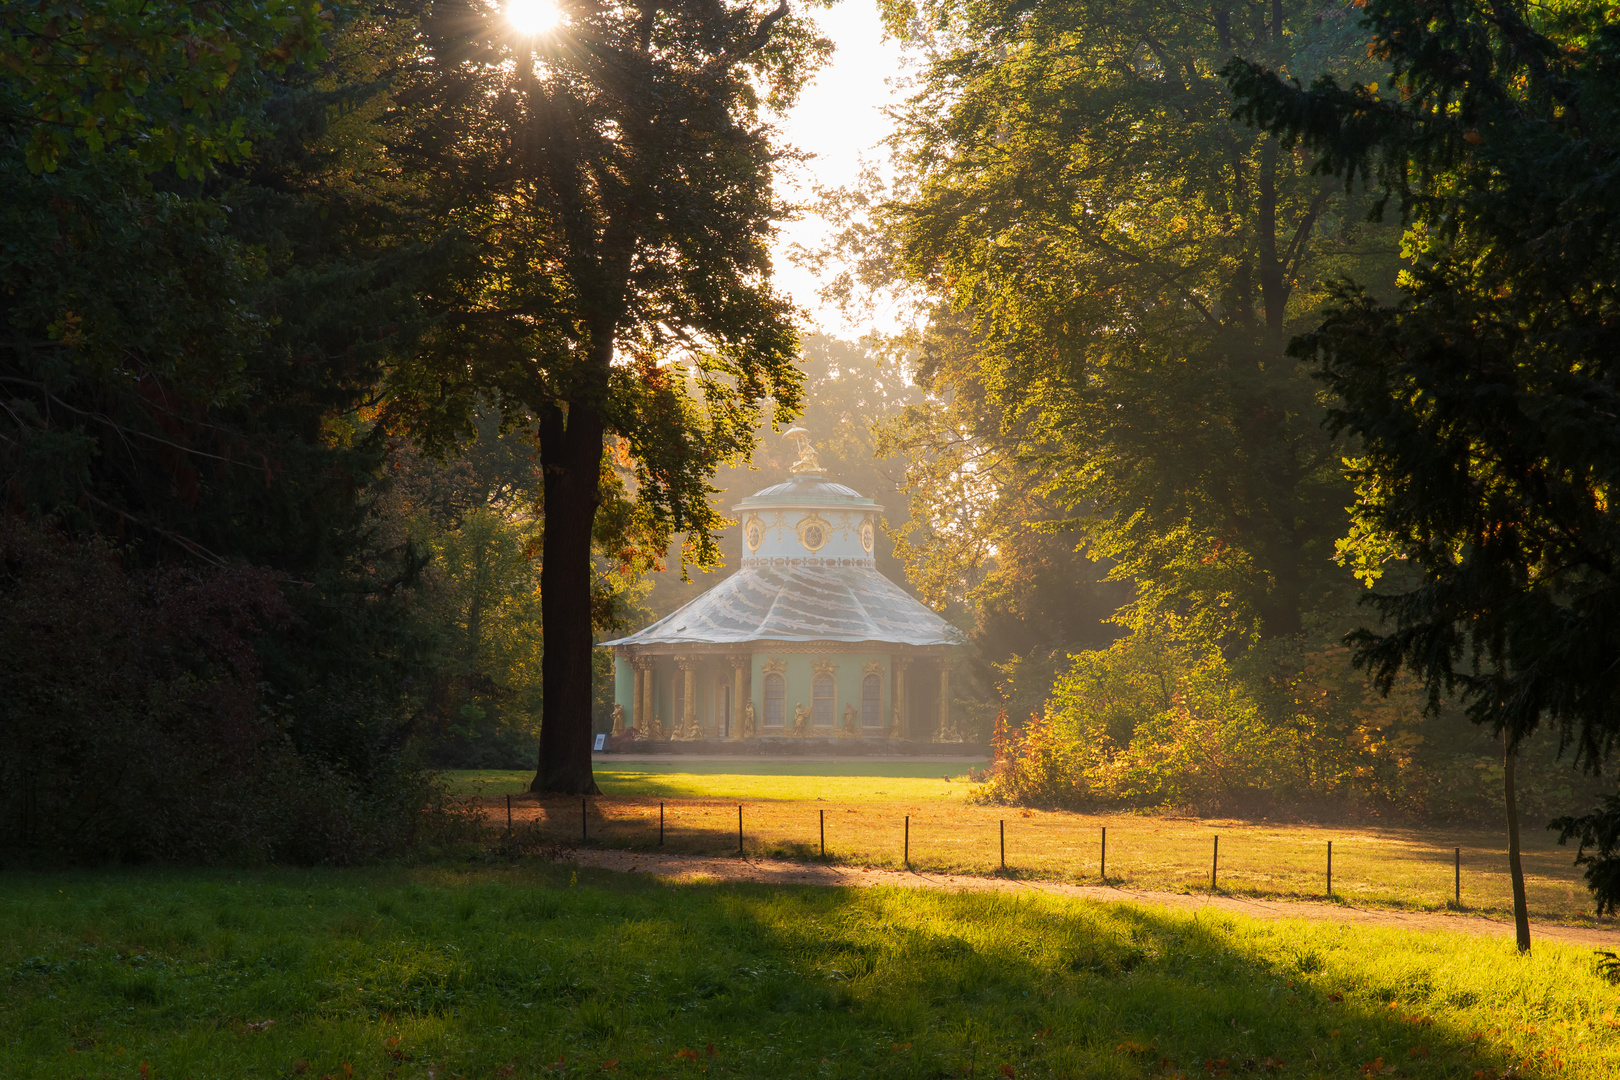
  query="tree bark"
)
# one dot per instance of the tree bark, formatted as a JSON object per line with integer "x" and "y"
{"x": 1521, "y": 910}
{"x": 571, "y": 458}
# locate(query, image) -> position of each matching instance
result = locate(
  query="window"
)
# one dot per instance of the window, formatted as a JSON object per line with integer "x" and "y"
{"x": 775, "y": 699}
{"x": 871, "y": 701}
{"x": 824, "y": 691}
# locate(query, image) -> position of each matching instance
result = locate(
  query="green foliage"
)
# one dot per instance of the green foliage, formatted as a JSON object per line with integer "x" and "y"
{"x": 1161, "y": 719}
{"x": 1600, "y": 831}
{"x": 164, "y": 83}
{"x": 511, "y": 971}
{"x": 137, "y": 727}
{"x": 1114, "y": 264}
{"x": 1484, "y": 400}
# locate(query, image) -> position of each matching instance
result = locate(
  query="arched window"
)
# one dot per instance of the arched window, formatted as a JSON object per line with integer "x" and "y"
{"x": 824, "y": 692}
{"x": 775, "y": 699}
{"x": 871, "y": 701}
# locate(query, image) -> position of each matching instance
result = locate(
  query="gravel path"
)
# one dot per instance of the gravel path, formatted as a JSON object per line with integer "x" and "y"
{"x": 781, "y": 872}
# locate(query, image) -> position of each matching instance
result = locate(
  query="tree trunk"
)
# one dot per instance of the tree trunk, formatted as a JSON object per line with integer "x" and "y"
{"x": 571, "y": 457}
{"x": 1273, "y": 286}
{"x": 1521, "y": 911}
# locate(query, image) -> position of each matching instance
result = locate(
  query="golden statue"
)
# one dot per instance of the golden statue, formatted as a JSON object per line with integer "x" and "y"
{"x": 618, "y": 719}
{"x": 748, "y": 719}
{"x": 849, "y": 722}
{"x": 808, "y": 463}
{"x": 801, "y": 721}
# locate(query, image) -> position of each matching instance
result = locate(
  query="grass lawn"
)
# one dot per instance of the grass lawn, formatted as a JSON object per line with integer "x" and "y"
{"x": 1407, "y": 868}
{"x": 858, "y": 780}
{"x": 539, "y": 970}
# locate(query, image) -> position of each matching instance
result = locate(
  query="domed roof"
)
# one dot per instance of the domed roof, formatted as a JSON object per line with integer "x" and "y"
{"x": 809, "y": 573}
{"x": 806, "y": 491}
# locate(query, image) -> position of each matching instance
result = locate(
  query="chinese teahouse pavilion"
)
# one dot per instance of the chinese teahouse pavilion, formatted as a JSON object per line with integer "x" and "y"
{"x": 805, "y": 640}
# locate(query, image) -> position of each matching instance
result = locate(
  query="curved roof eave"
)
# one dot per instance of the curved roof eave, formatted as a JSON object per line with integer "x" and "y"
{"x": 800, "y": 603}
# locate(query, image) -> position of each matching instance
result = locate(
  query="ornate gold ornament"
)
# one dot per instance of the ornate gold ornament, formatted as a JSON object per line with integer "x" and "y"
{"x": 753, "y": 532}
{"x": 868, "y": 535}
{"x": 823, "y": 667}
{"x": 775, "y": 667}
{"x": 808, "y": 463}
{"x": 871, "y": 667}
{"x": 814, "y": 532}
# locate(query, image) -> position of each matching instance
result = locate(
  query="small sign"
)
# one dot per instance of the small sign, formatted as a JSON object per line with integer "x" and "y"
{"x": 601, "y": 742}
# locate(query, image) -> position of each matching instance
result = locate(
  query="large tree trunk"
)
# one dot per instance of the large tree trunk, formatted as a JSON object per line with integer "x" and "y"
{"x": 1521, "y": 910}
{"x": 571, "y": 457}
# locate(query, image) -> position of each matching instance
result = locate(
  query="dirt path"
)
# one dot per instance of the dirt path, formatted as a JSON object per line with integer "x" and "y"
{"x": 781, "y": 872}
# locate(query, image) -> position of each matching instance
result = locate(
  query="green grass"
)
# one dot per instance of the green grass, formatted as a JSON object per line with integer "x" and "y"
{"x": 842, "y": 781}
{"x": 539, "y": 970}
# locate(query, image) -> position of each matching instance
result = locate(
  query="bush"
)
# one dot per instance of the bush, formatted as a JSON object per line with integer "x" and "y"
{"x": 1158, "y": 720}
{"x": 136, "y": 726}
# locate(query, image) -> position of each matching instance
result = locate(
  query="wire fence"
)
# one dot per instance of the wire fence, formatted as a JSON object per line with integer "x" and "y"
{"x": 1428, "y": 869}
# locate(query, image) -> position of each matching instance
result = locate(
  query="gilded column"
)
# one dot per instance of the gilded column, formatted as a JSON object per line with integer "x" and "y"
{"x": 688, "y": 728}
{"x": 740, "y": 666}
{"x": 898, "y": 729}
{"x": 639, "y": 719}
{"x": 646, "y": 717}
{"x": 944, "y": 702}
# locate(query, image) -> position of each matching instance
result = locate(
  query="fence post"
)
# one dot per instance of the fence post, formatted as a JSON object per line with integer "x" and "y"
{"x": 1004, "y": 843}
{"x": 908, "y": 842}
{"x": 1457, "y": 870}
{"x": 584, "y": 821}
{"x": 739, "y": 829}
{"x": 1102, "y": 867}
{"x": 823, "y": 814}
{"x": 660, "y": 824}
{"x": 1214, "y": 861}
{"x": 509, "y": 815}
{"x": 1330, "y": 868}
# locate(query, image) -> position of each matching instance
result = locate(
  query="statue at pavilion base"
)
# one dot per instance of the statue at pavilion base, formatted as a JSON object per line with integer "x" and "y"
{"x": 688, "y": 730}
{"x": 618, "y": 720}
{"x": 748, "y": 723}
{"x": 849, "y": 730}
{"x": 801, "y": 721}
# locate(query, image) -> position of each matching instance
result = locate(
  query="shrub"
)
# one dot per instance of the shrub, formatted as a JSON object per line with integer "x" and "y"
{"x": 1158, "y": 720}
{"x": 135, "y": 724}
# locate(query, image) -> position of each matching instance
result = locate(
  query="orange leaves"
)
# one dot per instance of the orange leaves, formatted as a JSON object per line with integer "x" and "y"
{"x": 1007, "y": 1070}
{"x": 1129, "y": 1047}
{"x": 1418, "y": 1052}
{"x": 610, "y": 1064}
{"x": 686, "y": 1054}
{"x": 1376, "y": 1067}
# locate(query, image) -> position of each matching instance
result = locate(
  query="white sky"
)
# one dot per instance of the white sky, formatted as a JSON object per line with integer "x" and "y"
{"x": 838, "y": 118}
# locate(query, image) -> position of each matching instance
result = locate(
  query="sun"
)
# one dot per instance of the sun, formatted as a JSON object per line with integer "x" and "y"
{"x": 531, "y": 16}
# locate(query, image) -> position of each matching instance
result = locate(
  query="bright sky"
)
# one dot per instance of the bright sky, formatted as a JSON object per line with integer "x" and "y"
{"x": 838, "y": 118}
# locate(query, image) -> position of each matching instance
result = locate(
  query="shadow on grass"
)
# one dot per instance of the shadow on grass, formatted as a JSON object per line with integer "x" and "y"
{"x": 544, "y": 969}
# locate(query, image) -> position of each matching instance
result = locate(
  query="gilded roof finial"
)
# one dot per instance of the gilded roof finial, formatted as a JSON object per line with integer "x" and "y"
{"x": 808, "y": 464}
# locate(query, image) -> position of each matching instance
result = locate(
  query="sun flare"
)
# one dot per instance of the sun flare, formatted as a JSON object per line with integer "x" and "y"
{"x": 531, "y": 16}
